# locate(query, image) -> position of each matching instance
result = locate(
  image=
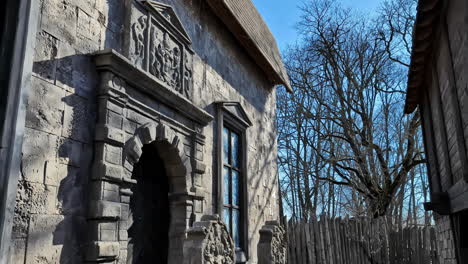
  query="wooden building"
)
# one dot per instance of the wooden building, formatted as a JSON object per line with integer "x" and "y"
{"x": 438, "y": 89}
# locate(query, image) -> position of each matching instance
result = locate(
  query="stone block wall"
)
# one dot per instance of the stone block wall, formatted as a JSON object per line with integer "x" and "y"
{"x": 58, "y": 142}
{"x": 445, "y": 240}
{"x": 59, "y": 148}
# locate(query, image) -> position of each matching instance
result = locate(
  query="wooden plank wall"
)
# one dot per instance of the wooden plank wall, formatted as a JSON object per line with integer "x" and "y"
{"x": 358, "y": 241}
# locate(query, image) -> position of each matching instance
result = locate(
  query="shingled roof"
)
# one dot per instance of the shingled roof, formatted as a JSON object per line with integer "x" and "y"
{"x": 428, "y": 13}
{"x": 243, "y": 20}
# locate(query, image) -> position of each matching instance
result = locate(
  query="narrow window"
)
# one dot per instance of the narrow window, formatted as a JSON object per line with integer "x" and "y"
{"x": 231, "y": 184}
{"x": 233, "y": 123}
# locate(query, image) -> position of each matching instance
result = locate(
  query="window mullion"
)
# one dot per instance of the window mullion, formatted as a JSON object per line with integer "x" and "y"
{"x": 229, "y": 152}
{"x": 230, "y": 198}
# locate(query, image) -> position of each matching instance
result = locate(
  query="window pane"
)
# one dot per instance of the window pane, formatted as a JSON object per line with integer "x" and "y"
{"x": 227, "y": 218}
{"x": 235, "y": 188}
{"x": 226, "y": 187}
{"x": 225, "y": 145}
{"x": 236, "y": 227}
{"x": 235, "y": 150}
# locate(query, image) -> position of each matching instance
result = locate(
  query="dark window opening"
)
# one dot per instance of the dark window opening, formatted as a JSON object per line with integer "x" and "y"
{"x": 461, "y": 220}
{"x": 149, "y": 206}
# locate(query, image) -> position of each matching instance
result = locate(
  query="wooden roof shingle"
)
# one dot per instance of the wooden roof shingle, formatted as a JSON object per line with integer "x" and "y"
{"x": 423, "y": 37}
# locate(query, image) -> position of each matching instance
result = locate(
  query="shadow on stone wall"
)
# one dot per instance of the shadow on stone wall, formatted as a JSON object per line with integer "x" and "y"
{"x": 261, "y": 182}
{"x": 57, "y": 152}
{"x": 50, "y": 214}
{"x": 61, "y": 109}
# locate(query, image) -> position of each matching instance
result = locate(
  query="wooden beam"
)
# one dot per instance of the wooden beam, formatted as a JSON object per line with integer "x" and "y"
{"x": 440, "y": 203}
{"x": 450, "y": 202}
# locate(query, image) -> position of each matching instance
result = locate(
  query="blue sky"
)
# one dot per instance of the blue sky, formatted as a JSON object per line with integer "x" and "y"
{"x": 282, "y": 15}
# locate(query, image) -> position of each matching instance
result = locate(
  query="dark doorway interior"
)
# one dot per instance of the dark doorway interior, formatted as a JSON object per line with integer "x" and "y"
{"x": 148, "y": 235}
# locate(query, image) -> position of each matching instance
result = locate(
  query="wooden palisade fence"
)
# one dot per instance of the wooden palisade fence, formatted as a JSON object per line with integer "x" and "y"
{"x": 358, "y": 241}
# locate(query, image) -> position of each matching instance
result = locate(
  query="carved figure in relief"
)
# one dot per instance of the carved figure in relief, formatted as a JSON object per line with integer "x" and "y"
{"x": 175, "y": 81}
{"x": 208, "y": 242}
{"x": 138, "y": 29}
{"x": 170, "y": 58}
{"x": 219, "y": 246}
{"x": 279, "y": 245}
{"x": 187, "y": 75}
{"x": 155, "y": 59}
{"x": 272, "y": 244}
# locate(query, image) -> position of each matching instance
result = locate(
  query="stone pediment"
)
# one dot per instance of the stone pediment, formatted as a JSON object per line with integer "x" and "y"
{"x": 167, "y": 12}
{"x": 158, "y": 43}
{"x": 236, "y": 110}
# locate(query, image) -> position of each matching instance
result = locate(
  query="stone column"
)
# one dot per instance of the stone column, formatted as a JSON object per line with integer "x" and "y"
{"x": 272, "y": 244}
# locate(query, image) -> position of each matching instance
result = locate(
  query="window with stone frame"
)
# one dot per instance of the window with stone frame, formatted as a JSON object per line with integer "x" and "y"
{"x": 232, "y": 158}
{"x": 232, "y": 182}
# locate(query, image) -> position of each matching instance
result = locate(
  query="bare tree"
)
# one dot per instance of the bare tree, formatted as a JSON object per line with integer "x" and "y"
{"x": 344, "y": 124}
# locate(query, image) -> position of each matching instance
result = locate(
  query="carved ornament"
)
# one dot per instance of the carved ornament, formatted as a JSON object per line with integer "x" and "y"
{"x": 161, "y": 46}
{"x": 209, "y": 242}
{"x": 273, "y": 244}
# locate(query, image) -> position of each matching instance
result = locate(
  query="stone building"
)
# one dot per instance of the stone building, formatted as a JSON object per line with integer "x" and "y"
{"x": 437, "y": 86}
{"x": 126, "y": 121}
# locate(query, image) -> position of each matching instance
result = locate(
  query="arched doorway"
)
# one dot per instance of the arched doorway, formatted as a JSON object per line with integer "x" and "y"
{"x": 150, "y": 211}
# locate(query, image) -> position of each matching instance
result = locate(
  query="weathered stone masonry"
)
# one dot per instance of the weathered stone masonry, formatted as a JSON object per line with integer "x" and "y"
{"x": 124, "y": 125}
{"x": 110, "y": 77}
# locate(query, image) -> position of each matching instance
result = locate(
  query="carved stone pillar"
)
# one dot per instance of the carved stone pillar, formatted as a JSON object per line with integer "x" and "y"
{"x": 208, "y": 241}
{"x": 272, "y": 244}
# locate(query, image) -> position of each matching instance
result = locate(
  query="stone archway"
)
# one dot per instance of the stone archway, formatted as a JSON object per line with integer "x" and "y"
{"x": 168, "y": 146}
{"x": 124, "y": 125}
{"x": 162, "y": 143}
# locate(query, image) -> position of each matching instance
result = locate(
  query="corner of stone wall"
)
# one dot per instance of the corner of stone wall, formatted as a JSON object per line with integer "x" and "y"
{"x": 445, "y": 239}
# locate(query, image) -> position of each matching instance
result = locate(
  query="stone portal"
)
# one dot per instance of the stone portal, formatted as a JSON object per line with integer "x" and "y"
{"x": 146, "y": 186}
{"x": 149, "y": 210}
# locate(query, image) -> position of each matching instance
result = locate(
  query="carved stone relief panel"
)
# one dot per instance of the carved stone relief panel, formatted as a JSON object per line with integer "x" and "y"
{"x": 139, "y": 41}
{"x": 209, "y": 242}
{"x": 272, "y": 244}
{"x": 160, "y": 45}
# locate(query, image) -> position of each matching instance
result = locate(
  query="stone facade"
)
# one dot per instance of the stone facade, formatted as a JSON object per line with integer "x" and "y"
{"x": 110, "y": 77}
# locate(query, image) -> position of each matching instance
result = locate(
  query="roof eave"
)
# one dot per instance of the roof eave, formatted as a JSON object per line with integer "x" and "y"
{"x": 427, "y": 14}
